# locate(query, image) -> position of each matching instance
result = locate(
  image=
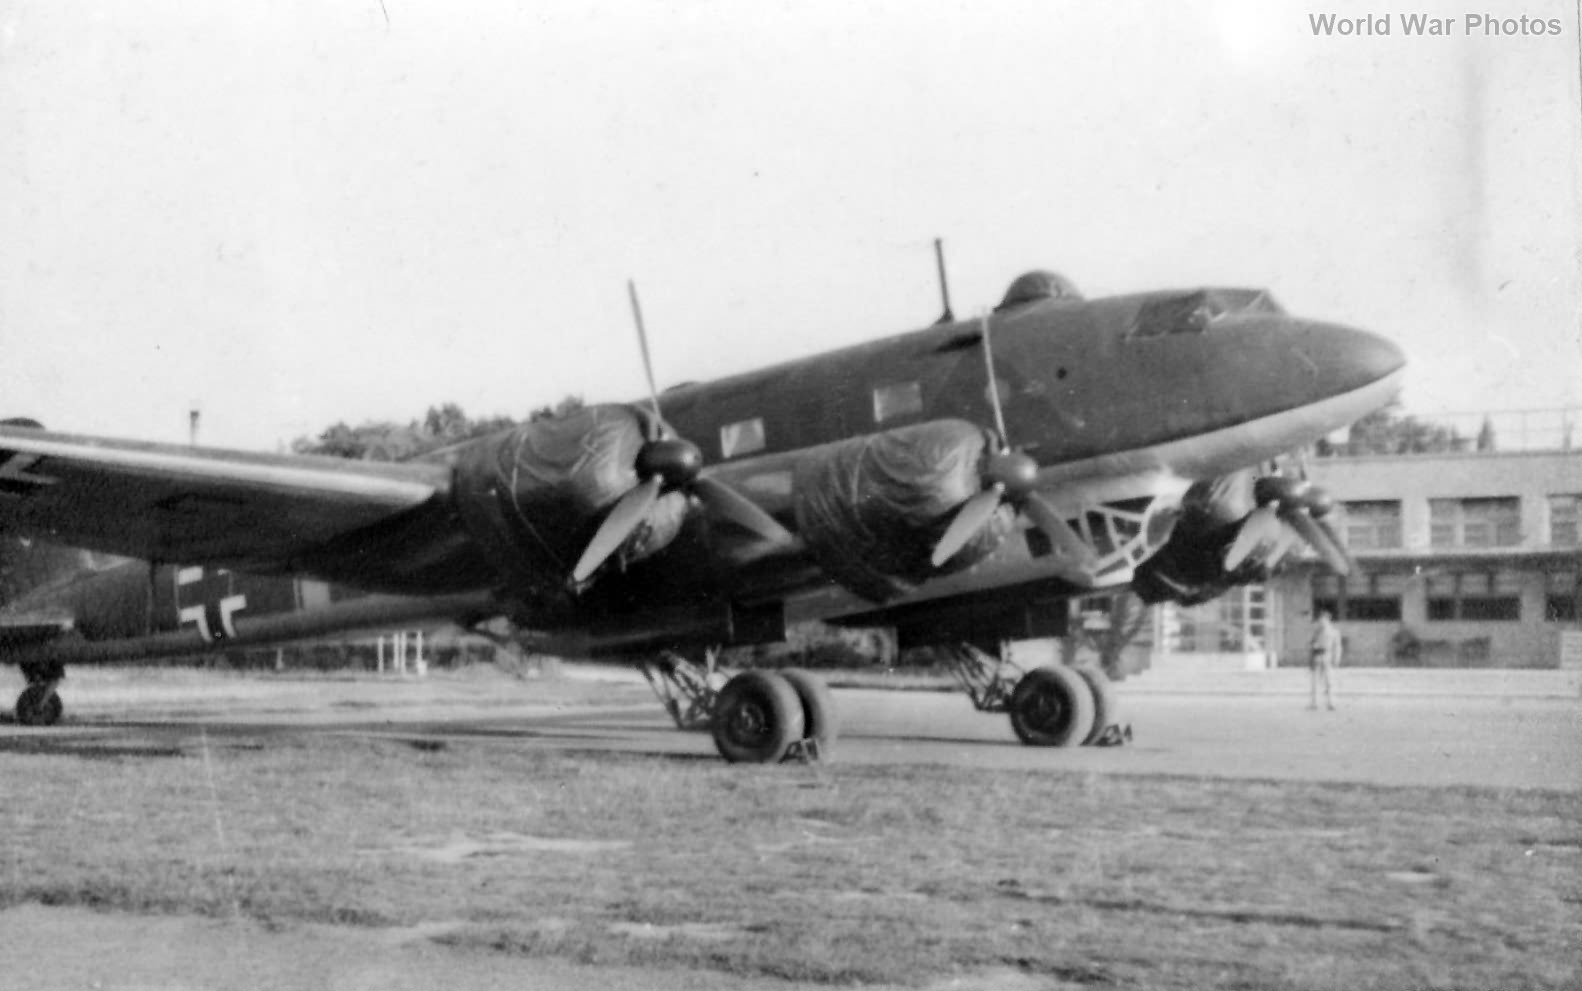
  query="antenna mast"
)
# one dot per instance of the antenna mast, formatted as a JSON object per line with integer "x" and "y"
{"x": 944, "y": 283}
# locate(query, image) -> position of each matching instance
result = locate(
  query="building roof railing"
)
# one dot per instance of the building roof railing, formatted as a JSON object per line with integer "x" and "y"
{"x": 1391, "y": 432}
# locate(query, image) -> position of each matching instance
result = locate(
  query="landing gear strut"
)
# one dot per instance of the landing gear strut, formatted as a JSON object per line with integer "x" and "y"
{"x": 39, "y": 704}
{"x": 687, "y": 691}
{"x": 758, "y": 717}
{"x": 1049, "y": 706}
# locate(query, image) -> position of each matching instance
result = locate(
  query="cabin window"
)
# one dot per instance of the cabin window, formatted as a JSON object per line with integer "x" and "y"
{"x": 744, "y": 437}
{"x": 891, "y": 402}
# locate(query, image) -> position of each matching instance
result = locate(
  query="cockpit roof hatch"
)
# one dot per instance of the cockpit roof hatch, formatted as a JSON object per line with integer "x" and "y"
{"x": 1037, "y": 285}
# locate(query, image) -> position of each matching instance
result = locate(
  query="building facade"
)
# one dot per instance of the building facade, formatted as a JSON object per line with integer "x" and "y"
{"x": 1469, "y": 559}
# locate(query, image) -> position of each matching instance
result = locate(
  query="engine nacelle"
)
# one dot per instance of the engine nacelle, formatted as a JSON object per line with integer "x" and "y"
{"x": 1190, "y": 568}
{"x": 871, "y": 509}
{"x": 534, "y": 496}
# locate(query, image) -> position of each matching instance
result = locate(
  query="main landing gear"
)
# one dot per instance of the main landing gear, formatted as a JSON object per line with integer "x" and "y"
{"x": 757, "y": 717}
{"x": 39, "y": 704}
{"x": 1049, "y": 706}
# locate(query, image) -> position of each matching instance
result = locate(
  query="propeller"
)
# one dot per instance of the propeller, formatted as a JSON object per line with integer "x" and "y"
{"x": 1288, "y": 510}
{"x": 1319, "y": 507}
{"x": 1011, "y": 476}
{"x": 667, "y": 463}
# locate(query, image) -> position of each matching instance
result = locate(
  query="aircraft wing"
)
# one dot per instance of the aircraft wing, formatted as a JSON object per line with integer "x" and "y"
{"x": 166, "y": 502}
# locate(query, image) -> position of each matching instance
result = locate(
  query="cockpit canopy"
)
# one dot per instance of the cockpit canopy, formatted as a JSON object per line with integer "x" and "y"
{"x": 1194, "y": 312}
{"x": 1039, "y": 284}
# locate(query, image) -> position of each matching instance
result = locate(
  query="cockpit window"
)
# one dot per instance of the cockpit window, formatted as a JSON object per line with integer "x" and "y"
{"x": 1188, "y": 314}
{"x": 1195, "y": 312}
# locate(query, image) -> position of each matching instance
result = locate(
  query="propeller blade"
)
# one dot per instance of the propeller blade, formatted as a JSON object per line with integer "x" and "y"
{"x": 1320, "y": 539}
{"x": 642, "y": 342}
{"x": 994, "y": 382}
{"x": 1065, "y": 539}
{"x": 1340, "y": 545}
{"x": 628, "y": 514}
{"x": 727, "y": 502}
{"x": 1288, "y": 539}
{"x": 1261, "y": 529}
{"x": 970, "y": 518}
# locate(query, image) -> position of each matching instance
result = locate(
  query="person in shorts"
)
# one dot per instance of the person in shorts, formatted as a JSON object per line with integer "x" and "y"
{"x": 1323, "y": 658}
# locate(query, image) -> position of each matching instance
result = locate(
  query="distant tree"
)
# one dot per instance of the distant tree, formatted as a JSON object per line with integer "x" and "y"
{"x": 567, "y": 406}
{"x": 489, "y": 425}
{"x": 446, "y": 423}
{"x": 1486, "y": 434}
{"x": 386, "y": 440}
{"x": 341, "y": 441}
{"x": 1389, "y": 431}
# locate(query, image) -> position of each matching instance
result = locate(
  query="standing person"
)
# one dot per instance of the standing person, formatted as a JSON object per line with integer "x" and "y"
{"x": 1323, "y": 658}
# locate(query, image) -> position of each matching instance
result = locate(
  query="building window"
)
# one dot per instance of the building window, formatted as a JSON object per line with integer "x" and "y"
{"x": 1373, "y": 609}
{"x": 1373, "y": 525}
{"x": 891, "y": 402}
{"x": 1474, "y": 597}
{"x": 1560, "y": 605}
{"x": 1565, "y": 520}
{"x": 1360, "y": 599}
{"x": 741, "y": 438}
{"x": 1490, "y": 522}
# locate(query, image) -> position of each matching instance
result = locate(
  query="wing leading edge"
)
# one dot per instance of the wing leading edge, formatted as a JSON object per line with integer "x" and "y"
{"x": 163, "y": 502}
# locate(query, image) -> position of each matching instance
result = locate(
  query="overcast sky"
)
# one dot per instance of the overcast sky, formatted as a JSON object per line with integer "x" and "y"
{"x": 294, "y": 213}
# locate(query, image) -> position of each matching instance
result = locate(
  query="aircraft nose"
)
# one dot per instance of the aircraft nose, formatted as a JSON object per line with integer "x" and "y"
{"x": 1344, "y": 359}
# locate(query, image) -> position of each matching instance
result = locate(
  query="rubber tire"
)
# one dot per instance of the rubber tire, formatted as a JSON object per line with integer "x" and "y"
{"x": 1052, "y": 707}
{"x": 756, "y": 718}
{"x": 819, "y": 721}
{"x": 1105, "y": 704}
{"x": 38, "y": 706}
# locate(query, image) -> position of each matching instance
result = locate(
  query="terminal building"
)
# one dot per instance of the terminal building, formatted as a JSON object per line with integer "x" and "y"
{"x": 1467, "y": 556}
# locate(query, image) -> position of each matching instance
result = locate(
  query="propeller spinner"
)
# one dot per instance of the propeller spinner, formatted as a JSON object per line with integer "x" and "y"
{"x": 667, "y": 463}
{"x": 1011, "y": 476}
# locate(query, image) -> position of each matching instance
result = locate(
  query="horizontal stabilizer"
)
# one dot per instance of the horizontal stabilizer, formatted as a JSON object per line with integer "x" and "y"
{"x": 27, "y": 629}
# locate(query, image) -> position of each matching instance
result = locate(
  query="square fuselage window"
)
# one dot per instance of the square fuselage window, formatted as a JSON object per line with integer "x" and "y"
{"x": 900, "y": 399}
{"x": 744, "y": 437}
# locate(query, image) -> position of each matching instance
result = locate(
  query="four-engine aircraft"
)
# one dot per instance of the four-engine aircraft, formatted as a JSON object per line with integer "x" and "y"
{"x": 956, "y": 484}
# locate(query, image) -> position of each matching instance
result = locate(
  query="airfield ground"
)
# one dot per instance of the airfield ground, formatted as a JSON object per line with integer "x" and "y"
{"x": 472, "y": 830}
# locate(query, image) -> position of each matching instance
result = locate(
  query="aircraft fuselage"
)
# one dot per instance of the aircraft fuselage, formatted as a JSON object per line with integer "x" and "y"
{"x": 1171, "y": 385}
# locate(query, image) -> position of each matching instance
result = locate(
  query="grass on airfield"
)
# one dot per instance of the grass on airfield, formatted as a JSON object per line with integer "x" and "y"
{"x": 826, "y": 874}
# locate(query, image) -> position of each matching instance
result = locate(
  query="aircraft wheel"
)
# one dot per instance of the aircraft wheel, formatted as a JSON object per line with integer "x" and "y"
{"x": 757, "y": 718}
{"x": 818, "y": 708}
{"x": 1052, "y": 707}
{"x": 38, "y": 705}
{"x": 1105, "y": 704}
